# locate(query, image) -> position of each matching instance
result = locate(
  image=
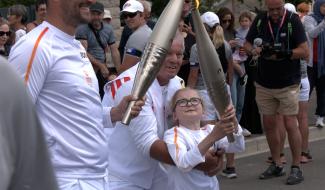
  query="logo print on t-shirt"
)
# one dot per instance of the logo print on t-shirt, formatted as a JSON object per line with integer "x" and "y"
{"x": 83, "y": 55}
{"x": 87, "y": 77}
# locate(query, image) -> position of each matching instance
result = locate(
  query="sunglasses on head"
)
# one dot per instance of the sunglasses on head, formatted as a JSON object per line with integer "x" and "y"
{"x": 125, "y": 15}
{"x": 2, "y": 33}
{"x": 187, "y": 1}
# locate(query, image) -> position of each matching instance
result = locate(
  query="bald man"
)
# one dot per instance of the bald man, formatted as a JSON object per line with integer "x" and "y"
{"x": 278, "y": 80}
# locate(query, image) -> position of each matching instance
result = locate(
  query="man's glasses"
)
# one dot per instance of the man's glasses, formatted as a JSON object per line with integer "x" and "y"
{"x": 2, "y": 33}
{"x": 125, "y": 15}
{"x": 184, "y": 102}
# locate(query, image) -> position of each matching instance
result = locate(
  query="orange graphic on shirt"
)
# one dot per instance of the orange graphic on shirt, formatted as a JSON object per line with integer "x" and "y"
{"x": 88, "y": 79}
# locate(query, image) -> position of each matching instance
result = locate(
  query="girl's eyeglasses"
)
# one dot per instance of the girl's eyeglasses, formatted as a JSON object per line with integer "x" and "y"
{"x": 185, "y": 102}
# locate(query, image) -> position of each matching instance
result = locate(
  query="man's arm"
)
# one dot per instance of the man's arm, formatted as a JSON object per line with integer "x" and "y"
{"x": 194, "y": 67}
{"x": 301, "y": 52}
{"x": 128, "y": 61}
{"x": 116, "y": 113}
{"x": 115, "y": 56}
{"x": 193, "y": 76}
{"x": 159, "y": 151}
{"x": 34, "y": 78}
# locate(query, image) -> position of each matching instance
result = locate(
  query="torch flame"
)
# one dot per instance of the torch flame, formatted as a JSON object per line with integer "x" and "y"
{"x": 196, "y": 3}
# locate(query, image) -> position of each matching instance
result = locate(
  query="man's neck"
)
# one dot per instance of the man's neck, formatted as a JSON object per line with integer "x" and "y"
{"x": 162, "y": 82}
{"x": 192, "y": 125}
{"x": 142, "y": 23}
{"x": 69, "y": 29}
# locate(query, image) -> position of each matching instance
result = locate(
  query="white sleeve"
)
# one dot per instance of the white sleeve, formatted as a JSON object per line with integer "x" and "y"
{"x": 311, "y": 27}
{"x": 107, "y": 121}
{"x": 19, "y": 59}
{"x": 184, "y": 159}
{"x": 228, "y": 51}
{"x": 237, "y": 146}
{"x": 143, "y": 128}
{"x": 19, "y": 33}
{"x": 194, "y": 57}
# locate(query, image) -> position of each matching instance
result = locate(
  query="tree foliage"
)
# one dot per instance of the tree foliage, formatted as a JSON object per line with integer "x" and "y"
{"x": 7, "y": 3}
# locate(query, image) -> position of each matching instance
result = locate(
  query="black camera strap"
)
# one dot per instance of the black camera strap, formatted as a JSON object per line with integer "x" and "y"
{"x": 99, "y": 41}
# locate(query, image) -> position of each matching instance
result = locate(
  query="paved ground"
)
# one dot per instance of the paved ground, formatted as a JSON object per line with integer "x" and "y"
{"x": 249, "y": 168}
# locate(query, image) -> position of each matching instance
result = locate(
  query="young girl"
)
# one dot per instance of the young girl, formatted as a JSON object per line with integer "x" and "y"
{"x": 187, "y": 142}
{"x": 239, "y": 76}
{"x": 239, "y": 56}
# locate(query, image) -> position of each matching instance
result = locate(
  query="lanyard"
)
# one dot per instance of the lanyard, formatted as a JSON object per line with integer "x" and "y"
{"x": 279, "y": 28}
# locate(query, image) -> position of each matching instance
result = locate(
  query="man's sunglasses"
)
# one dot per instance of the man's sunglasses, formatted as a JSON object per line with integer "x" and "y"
{"x": 2, "y": 33}
{"x": 130, "y": 15}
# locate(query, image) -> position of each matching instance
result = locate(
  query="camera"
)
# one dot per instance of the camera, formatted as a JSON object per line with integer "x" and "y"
{"x": 275, "y": 51}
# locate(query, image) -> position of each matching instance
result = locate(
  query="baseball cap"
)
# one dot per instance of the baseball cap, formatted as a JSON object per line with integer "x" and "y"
{"x": 210, "y": 18}
{"x": 107, "y": 14}
{"x": 97, "y": 7}
{"x": 132, "y": 6}
{"x": 290, "y": 7}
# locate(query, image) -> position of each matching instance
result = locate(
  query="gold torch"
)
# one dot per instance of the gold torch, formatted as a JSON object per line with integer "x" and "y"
{"x": 210, "y": 66}
{"x": 155, "y": 52}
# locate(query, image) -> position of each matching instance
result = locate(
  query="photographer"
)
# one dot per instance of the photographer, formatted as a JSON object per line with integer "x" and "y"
{"x": 278, "y": 80}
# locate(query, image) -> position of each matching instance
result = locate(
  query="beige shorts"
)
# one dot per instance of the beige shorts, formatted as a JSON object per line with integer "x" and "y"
{"x": 284, "y": 101}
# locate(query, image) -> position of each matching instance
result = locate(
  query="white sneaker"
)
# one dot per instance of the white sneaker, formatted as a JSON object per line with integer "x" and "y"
{"x": 320, "y": 122}
{"x": 246, "y": 133}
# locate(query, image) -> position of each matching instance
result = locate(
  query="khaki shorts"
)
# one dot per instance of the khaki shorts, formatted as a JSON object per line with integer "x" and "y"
{"x": 284, "y": 101}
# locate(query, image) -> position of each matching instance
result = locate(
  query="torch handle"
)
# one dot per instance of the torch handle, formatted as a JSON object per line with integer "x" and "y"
{"x": 231, "y": 138}
{"x": 127, "y": 115}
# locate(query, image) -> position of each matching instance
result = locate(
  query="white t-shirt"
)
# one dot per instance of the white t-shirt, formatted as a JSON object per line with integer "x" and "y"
{"x": 137, "y": 41}
{"x": 64, "y": 88}
{"x": 183, "y": 148}
{"x": 19, "y": 33}
{"x": 129, "y": 146}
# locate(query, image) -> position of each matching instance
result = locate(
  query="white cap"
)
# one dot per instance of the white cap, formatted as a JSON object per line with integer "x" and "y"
{"x": 290, "y": 7}
{"x": 107, "y": 14}
{"x": 210, "y": 18}
{"x": 132, "y": 6}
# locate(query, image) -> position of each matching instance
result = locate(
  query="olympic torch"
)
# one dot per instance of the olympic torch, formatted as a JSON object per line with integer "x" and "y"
{"x": 210, "y": 66}
{"x": 155, "y": 52}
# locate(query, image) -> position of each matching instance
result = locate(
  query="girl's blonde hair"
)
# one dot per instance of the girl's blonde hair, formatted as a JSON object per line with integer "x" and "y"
{"x": 217, "y": 36}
